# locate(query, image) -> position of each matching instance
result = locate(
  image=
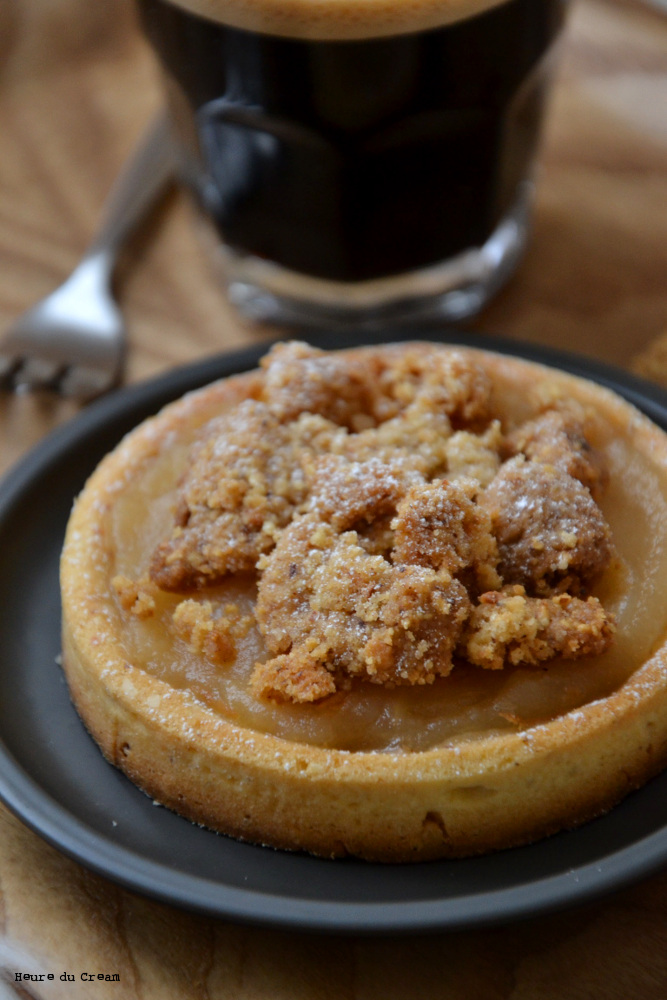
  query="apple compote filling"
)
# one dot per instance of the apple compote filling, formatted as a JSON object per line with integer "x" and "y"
{"x": 377, "y": 551}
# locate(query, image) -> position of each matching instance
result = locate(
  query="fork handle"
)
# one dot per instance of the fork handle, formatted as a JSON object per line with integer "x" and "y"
{"x": 143, "y": 179}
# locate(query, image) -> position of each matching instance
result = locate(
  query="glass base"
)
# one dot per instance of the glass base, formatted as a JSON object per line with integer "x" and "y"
{"x": 449, "y": 291}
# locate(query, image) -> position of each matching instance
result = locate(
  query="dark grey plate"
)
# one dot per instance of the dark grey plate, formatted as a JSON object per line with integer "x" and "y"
{"x": 54, "y": 778}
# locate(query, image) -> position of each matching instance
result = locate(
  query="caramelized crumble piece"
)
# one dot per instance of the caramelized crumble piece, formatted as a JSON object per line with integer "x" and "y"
{"x": 356, "y": 614}
{"x": 135, "y": 596}
{"x": 244, "y": 482}
{"x": 551, "y": 534}
{"x": 440, "y": 525}
{"x": 508, "y": 627}
{"x": 557, "y": 438}
{"x": 297, "y": 676}
{"x": 361, "y": 393}
{"x": 447, "y": 381}
{"x": 207, "y": 634}
{"x": 350, "y": 494}
{"x": 416, "y": 440}
{"x": 301, "y": 379}
{"x": 475, "y": 456}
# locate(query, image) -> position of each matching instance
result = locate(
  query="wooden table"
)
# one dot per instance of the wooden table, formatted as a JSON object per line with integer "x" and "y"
{"x": 77, "y": 85}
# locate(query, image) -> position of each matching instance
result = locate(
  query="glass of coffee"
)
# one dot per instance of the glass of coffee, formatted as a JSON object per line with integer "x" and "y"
{"x": 360, "y": 160}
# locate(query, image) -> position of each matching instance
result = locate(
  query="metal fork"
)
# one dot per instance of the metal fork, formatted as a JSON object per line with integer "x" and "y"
{"x": 73, "y": 341}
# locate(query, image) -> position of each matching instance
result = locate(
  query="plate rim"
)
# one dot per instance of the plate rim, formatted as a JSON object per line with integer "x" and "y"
{"x": 42, "y": 813}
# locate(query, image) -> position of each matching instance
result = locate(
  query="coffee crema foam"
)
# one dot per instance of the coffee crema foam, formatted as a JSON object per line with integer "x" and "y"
{"x": 336, "y": 20}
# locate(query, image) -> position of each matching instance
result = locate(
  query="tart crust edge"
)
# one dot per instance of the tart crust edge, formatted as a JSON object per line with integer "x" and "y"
{"x": 462, "y": 799}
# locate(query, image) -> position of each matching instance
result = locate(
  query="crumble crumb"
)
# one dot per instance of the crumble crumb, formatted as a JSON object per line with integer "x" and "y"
{"x": 297, "y": 677}
{"x": 211, "y": 636}
{"x": 135, "y": 596}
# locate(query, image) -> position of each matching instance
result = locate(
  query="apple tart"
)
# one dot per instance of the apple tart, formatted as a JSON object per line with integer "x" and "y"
{"x": 397, "y": 602}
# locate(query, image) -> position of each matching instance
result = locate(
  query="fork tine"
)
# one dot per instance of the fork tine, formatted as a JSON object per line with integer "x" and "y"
{"x": 36, "y": 372}
{"x": 81, "y": 382}
{"x": 72, "y": 341}
{"x": 8, "y": 365}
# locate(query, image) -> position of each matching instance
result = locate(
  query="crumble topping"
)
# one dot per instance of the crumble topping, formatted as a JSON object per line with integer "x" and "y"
{"x": 557, "y": 437}
{"x": 208, "y": 634}
{"x": 507, "y": 626}
{"x": 135, "y": 596}
{"x": 441, "y": 525}
{"x": 397, "y": 529}
{"x": 476, "y": 456}
{"x": 552, "y": 536}
{"x": 246, "y": 478}
{"x": 323, "y": 598}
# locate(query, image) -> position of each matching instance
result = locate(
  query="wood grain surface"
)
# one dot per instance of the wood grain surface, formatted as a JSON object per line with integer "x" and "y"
{"x": 77, "y": 85}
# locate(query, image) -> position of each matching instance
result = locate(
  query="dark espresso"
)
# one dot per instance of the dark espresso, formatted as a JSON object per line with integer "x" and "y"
{"x": 353, "y": 160}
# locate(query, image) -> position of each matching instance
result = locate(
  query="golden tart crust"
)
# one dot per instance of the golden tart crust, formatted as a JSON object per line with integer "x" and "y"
{"x": 471, "y": 794}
